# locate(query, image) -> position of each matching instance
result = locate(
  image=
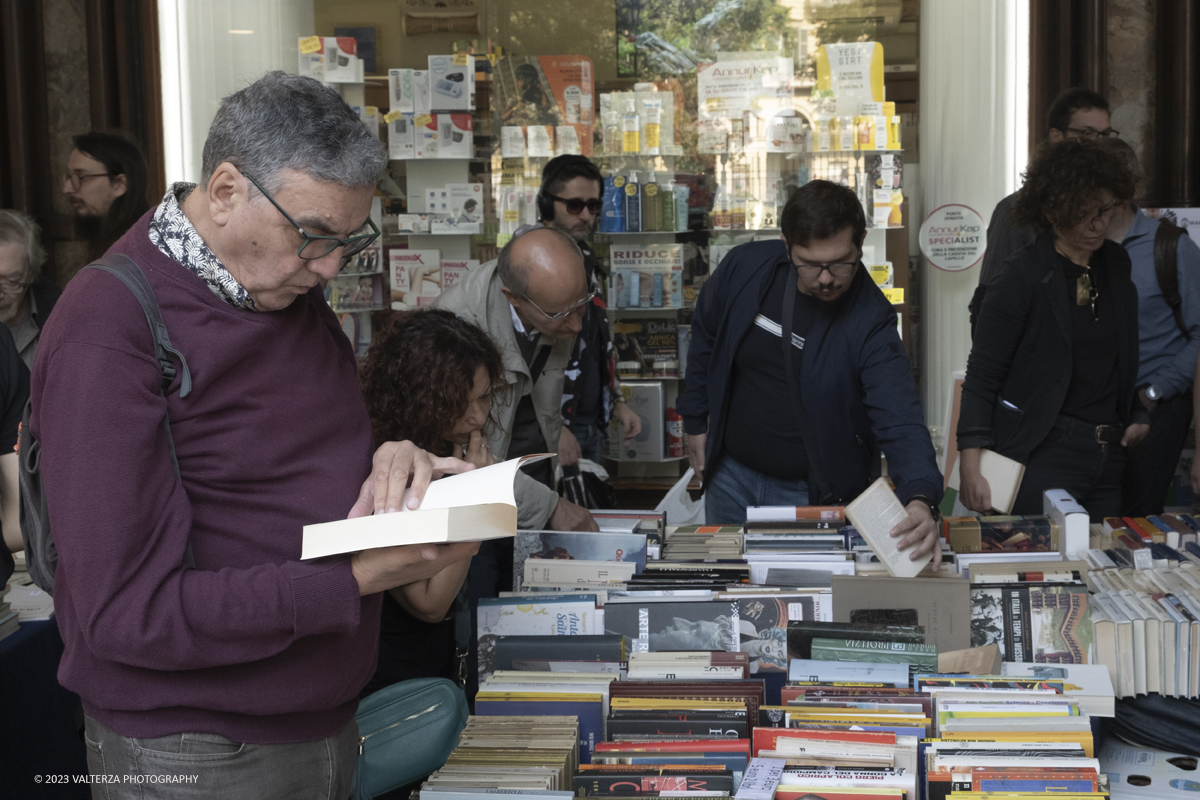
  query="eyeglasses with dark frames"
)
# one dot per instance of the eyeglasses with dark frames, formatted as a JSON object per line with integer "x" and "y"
{"x": 77, "y": 179}
{"x": 575, "y": 308}
{"x": 575, "y": 205}
{"x": 314, "y": 247}
{"x": 1092, "y": 133}
{"x": 810, "y": 272}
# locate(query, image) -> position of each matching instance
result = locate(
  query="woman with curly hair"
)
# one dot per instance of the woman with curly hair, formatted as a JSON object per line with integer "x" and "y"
{"x": 1050, "y": 379}
{"x": 429, "y": 377}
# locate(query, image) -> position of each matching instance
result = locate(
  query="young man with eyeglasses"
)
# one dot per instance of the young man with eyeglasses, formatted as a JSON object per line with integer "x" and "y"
{"x": 26, "y": 296}
{"x": 1075, "y": 114}
{"x": 766, "y": 432}
{"x": 569, "y": 201}
{"x": 198, "y": 641}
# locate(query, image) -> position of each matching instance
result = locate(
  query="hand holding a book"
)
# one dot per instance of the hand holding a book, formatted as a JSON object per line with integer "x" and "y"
{"x": 397, "y": 468}
{"x": 919, "y": 532}
{"x": 974, "y": 491}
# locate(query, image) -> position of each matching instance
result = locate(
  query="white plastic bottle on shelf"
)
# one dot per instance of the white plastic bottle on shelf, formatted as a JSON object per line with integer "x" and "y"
{"x": 633, "y": 203}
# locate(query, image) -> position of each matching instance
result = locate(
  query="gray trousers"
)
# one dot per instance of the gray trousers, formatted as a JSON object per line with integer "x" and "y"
{"x": 205, "y": 765}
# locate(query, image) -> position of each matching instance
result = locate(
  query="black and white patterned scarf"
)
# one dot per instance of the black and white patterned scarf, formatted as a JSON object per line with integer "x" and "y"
{"x": 172, "y": 233}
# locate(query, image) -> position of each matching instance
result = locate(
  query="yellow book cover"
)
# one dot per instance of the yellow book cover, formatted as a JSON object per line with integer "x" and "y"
{"x": 1084, "y": 739}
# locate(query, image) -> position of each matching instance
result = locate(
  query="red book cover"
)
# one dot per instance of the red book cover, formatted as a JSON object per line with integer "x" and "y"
{"x": 1131, "y": 540}
{"x": 1132, "y": 524}
{"x": 765, "y": 738}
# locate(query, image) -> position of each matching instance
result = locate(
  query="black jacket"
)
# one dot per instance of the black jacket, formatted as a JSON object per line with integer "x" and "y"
{"x": 856, "y": 382}
{"x": 1022, "y": 350}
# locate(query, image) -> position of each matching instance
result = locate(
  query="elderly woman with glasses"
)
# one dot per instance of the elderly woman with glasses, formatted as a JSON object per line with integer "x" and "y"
{"x": 1050, "y": 379}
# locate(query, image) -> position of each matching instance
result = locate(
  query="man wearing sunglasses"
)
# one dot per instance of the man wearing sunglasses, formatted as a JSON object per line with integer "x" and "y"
{"x": 807, "y": 430}
{"x": 198, "y": 641}
{"x": 569, "y": 201}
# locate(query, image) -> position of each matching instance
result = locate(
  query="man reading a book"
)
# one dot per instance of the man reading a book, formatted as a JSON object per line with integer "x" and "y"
{"x": 807, "y": 430}
{"x": 198, "y": 641}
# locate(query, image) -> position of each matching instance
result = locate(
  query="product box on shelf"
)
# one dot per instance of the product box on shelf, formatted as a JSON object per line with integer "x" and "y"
{"x": 330, "y": 59}
{"x": 647, "y": 347}
{"x": 648, "y": 401}
{"x": 455, "y": 271}
{"x": 401, "y": 94}
{"x": 649, "y": 276}
{"x": 455, "y": 135}
{"x": 415, "y": 275}
{"x": 420, "y": 86}
{"x": 401, "y": 138}
{"x": 452, "y": 83}
{"x": 512, "y": 141}
{"x": 426, "y": 135}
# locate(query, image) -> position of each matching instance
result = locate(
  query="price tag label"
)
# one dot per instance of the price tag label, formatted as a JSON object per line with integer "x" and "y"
{"x": 310, "y": 44}
{"x": 423, "y": 120}
{"x": 894, "y": 296}
{"x": 392, "y": 116}
{"x": 462, "y": 59}
{"x": 761, "y": 779}
{"x": 371, "y": 111}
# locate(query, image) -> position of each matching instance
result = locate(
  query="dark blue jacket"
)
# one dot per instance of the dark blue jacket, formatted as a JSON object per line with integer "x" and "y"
{"x": 856, "y": 382}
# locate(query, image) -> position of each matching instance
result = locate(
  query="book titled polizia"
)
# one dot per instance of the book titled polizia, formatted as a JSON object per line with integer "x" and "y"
{"x": 469, "y": 507}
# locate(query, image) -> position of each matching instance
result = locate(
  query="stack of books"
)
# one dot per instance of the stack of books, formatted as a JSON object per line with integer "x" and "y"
{"x": 512, "y": 754}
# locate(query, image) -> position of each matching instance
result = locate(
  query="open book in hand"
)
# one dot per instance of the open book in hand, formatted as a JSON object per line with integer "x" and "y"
{"x": 874, "y": 513}
{"x": 468, "y": 507}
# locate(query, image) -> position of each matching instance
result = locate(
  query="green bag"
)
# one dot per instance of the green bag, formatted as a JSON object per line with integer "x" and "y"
{"x": 406, "y": 731}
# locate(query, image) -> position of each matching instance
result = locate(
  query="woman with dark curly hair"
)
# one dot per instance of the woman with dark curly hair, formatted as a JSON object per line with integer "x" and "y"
{"x": 429, "y": 377}
{"x": 1050, "y": 379}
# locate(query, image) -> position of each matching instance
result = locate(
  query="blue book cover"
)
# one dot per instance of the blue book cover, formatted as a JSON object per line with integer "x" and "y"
{"x": 589, "y": 712}
{"x": 1046, "y": 785}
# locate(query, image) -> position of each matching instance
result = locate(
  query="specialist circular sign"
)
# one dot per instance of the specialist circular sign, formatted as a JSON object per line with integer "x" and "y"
{"x": 953, "y": 237}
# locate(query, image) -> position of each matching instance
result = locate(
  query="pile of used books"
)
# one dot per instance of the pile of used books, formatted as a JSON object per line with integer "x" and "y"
{"x": 785, "y": 659}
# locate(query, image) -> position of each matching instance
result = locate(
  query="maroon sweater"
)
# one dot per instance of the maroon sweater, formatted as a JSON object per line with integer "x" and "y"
{"x": 253, "y": 644}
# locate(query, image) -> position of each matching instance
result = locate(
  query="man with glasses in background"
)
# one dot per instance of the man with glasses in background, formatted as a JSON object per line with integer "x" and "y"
{"x": 569, "y": 201}
{"x": 806, "y": 430}
{"x": 26, "y": 296}
{"x": 206, "y": 653}
{"x": 1074, "y": 114}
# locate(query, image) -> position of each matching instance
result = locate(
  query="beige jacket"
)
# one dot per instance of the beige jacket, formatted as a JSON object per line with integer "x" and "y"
{"x": 477, "y": 298}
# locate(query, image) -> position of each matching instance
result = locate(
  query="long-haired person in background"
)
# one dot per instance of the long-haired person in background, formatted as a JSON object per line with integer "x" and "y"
{"x": 1053, "y": 366}
{"x": 431, "y": 377}
{"x": 106, "y": 181}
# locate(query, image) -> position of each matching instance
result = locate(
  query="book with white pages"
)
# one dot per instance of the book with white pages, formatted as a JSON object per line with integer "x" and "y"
{"x": 1124, "y": 643}
{"x": 1139, "y": 639}
{"x": 1090, "y": 684}
{"x": 1003, "y": 475}
{"x": 1168, "y": 652}
{"x": 1074, "y": 524}
{"x": 1153, "y": 640}
{"x": 468, "y": 507}
{"x": 1183, "y": 638}
{"x": 874, "y": 514}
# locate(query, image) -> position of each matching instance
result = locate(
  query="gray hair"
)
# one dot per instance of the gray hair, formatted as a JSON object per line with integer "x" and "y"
{"x": 19, "y": 228}
{"x": 285, "y": 121}
{"x": 515, "y": 277}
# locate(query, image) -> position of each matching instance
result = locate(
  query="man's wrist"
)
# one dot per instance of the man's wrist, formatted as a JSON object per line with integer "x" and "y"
{"x": 934, "y": 511}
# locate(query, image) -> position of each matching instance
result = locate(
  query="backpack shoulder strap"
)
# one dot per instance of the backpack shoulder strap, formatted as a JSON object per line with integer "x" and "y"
{"x": 132, "y": 276}
{"x": 1166, "y": 243}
